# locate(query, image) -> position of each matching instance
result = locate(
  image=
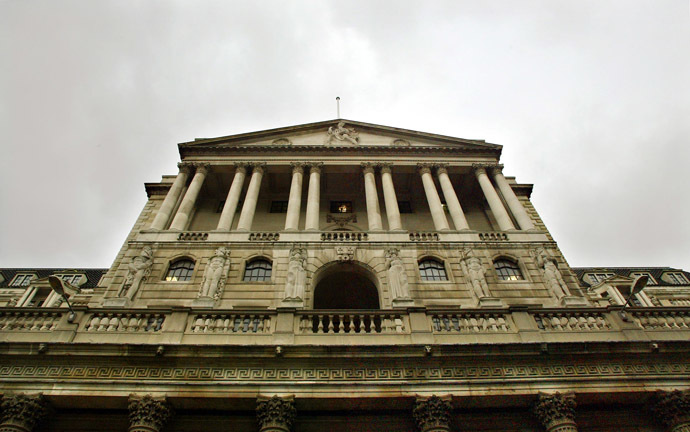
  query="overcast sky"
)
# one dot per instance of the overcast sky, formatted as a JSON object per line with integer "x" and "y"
{"x": 590, "y": 100}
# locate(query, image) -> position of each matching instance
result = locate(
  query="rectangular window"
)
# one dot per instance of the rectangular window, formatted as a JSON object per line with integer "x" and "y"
{"x": 596, "y": 278}
{"x": 651, "y": 279}
{"x": 279, "y": 206}
{"x": 71, "y": 279}
{"x": 677, "y": 278}
{"x": 633, "y": 300}
{"x": 21, "y": 280}
{"x": 341, "y": 206}
{"x": 404, "y": 207}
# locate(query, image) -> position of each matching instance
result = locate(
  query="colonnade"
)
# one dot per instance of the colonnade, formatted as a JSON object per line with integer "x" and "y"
{"x": 187, "y": 197}
{"x": 556, "y": 412}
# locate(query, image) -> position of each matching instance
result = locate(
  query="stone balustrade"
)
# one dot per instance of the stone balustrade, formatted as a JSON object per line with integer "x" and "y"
{"x": 493, "y": 236}
{"x": 192, "y": 236}
{"x": 231, "y": 323}
{"x": 403, "y": 326}
{"x": 28, "y": 320}
{"x": 470, "y": 322}
{"x": 571, "y": 321}
{"x": 264, "y": 236}
{"x": 344, "y": 236}
{"x": 125, "y": 322}
{"x": 419, "y": 236}
{"x": 356, "y": 323}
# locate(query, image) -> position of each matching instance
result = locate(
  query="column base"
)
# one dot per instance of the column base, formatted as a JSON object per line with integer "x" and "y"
{"x": 574, "y": 301}
{"x": 490, "y": 302}
{"x": 203, "y": 303}
{"x": 116, "y": 302}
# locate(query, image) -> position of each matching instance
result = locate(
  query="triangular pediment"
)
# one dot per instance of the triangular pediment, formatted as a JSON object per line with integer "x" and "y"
{"x": 340, "y": 134}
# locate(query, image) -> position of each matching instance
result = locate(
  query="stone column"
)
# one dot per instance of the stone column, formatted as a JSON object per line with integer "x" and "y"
{"x": 313, "y": 197}
{"x": 147, "y": 414}
{"x": 295, "y": 200}
{"x": 187, "y": 205}
{"x": 451, "y": 197}
{"x": 171, "y": 198}
{"x": 22, "y": 413}
{"x": 373, "y": 210}
{"x": 673, "y": 410}
{"x": 252, "y": 197}
{"x": 432, "y": 414}
{"x": 556, "y": 412}
{"x": 230, "y": 207}
{"x": 389, "y": 197}
{"x": 509, "y": 196}
{"x": 437, "y": 214}
{"x": 500, "y": 213}
{"x": 275, "y": 414}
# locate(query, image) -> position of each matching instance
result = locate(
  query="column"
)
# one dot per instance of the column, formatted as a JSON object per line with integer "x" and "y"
{"x": 514, "y": 204}
{"x": 295, "y": 199}
{"x": 275, "y": 414}
{"x": 556, "y": 412}
{"x": 171, "y": 198}
{"x": 437, "y": 214}
{"x": 22, "y": 413}
{"x": 452, "y": 202}
{"x": 313, "y": 197}
{"x": 230, "y": 207}
{"x": 147, "y": 414}
{"x": 252, "y": 197}
{"x": 392, "y": 211}
{"x": 373, "y": 211}
{"x": 672, "y": 408}
{"x": 432, "y": 414}
{"x": 187, "y": 205}
{"x": 500, "y": 213}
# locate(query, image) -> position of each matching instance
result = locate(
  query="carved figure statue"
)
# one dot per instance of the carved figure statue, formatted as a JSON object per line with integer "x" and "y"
{"x": 297, "y": 275}
{"x": 215, "y": 275}
{"x": 397, "y": 279}
{"x": 137, "y": 273}
{"x": 552, "y": 275}
{"x": 342, "y": 133}
{"x": 473, "y": 269}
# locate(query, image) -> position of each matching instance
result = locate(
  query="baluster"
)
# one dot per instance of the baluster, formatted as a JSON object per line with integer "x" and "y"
{"x": 103, "y": 324}
{"x": 113, "y": 323}
{"x": 330, "y": 323}
{"x": 351, "y": 327}
{"x": 93, "y": 323}
{"x": 320, "y": 327}
{"x": 198, "y": 322}
{"x": 502, "y": 325}
{"x": 492, "y": 324}
{"x": 474, "y": 325}
{"x": 341, "y": 323}
{"x": 652, "y": 321}
{"x": 577, "y": 323}
{"x": 399, "y": 324}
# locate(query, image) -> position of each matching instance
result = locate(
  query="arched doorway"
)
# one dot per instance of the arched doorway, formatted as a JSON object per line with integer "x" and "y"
{"x": 346, "y": 286}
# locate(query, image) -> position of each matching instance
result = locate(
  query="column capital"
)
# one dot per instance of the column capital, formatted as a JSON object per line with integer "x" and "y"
{"x": 672, "y": 408}
{"x": 259, "y": 167}
{"x": 297, "y": 167}
{"x": 147, "y": 413}
{"x": 201, "y": 167}
{"x": 424, "y": 168}
{"x": 385, "y": 167}
{"x": 441, "y": 168}
{"x": 23, "y": 411}
{"x": 496, "y": 169}
{"x": 276, "y": 413}
{"x": 240, "y": 167}
{"x": 368, "y": 167}
{"x": 315, "y": 166}
{"x": 432, "y": 414}
{"x": 185, "y": 167}
{"x": 556, "y": 410}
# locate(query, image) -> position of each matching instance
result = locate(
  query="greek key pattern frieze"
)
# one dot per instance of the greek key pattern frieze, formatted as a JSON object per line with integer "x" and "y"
{"x": 248, "y": 373}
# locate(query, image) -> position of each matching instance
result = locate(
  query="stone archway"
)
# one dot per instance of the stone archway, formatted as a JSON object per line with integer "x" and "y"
{"x": 346, "y": 285}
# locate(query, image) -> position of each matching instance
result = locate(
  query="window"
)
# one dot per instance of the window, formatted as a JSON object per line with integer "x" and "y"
{"x": 676, "y": 278}
{"x": 71, "y": 279}
{"x": 39, "y": 298}
{"x": 625, "y": 292}
{"x": 404, "y": 207}
{"x": 507, "y": 270}
{"x": 258, "y": 271}
{"x": 341, "y": 206}
{"x": 432, "y": 270}
{"x": 279, "y": 206}
{"x": 180, "y": 270}
{"x": 651, "y": 280}
{"x": 22, "y": 280}
{"x": 596, "y": 278}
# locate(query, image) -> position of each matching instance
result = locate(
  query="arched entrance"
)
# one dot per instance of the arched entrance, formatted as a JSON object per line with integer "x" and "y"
{"x": 346, "y": 285}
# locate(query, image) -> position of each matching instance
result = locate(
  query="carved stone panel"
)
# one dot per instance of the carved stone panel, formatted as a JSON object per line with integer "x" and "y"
{"x": 556, "y": 412}
{"x": 432, "y": 414}
{"x": 147, "y": 414}
{"x": 275, "y": 414}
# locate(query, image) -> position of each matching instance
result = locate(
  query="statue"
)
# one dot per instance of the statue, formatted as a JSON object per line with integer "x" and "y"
{"x": 215, "y": 275}
{"x": 552, "y": 275}
{"x": 138, "y": 271}
{"x": 397, "y": 279}
{"x": 297, "y": 275}
{"x": 473, "y": 269}
{"x": 342, "y": 133}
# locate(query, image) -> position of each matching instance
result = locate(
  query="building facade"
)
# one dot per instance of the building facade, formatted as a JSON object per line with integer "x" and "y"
{"x": 348, "y": 276}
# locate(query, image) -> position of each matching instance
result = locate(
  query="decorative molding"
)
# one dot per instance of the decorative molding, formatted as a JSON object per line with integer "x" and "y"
{"x": 341, "y": 219}
{"x": 432, "y": 414}
{"x": 345, "y": 253}
{"x": 400, "y": 143}
{"x": 673, "y": 409}
{"x": 22, "y": 413}
{"x": 281, "y": 142}
{"x": 147, "y": 414}
{"x": 556, "y": 411}
{"x": 275, "y": 414}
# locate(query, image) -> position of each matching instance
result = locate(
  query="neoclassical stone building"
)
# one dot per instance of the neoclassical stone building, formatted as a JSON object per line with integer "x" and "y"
{"x": 344, "y": 276}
